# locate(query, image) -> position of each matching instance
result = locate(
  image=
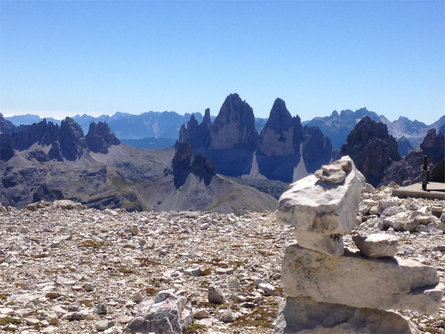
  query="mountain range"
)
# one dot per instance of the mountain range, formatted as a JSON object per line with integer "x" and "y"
{"x": 284, "y": 150}
{"x": 160, "y": 129}
{"x": 47, "y": 161}
{"x": 215, "y": 164}
{"x": 337, "y": 126}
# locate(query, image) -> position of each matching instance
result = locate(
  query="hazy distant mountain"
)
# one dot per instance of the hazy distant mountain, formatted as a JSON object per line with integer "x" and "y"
{"x": 29, "y": 119}
{"x": 150, "y": 142}
{"x": 152, "y": 124}
{"x": 338, "y": 126}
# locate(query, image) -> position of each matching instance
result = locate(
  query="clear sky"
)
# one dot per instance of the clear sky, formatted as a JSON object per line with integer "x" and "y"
{"x": 98, "y": 57}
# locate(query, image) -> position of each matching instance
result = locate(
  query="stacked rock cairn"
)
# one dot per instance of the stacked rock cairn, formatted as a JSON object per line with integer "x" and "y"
{"x": 330, "y": 289}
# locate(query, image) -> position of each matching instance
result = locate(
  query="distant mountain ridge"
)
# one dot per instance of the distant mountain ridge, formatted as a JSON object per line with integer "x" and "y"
{"x": 156, "y": 129}
{"x": 337, "y": 126}
{"x": 150, "y": 124}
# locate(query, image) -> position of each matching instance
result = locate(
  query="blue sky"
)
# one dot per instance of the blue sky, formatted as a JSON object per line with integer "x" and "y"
{"x": 98, "y": 57}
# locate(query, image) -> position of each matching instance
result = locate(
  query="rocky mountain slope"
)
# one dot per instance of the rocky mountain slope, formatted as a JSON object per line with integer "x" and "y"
{"x": 404, "y": 146}
{"x": 68, "y": 269}
{"x": 372, "y": 149}
{"x": 284, "y": 150}
{"x": 5, "y": 125}
{"x": 337, "y": 126}
{"x": 408, "y": 170}
{"x": 45, "y": 161}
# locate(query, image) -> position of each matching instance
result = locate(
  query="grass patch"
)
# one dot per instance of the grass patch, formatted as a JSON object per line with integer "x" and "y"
{"x": 124, "y": 270}
{"x": 40, "y": 256}
{"x": 145, "y": 262}
{"x": 10, "y": 321}
{"x": 92, "y": 243}
{"x": 53, "y": 295}
{"x": 214, "y": 206}
{"x": 118, "y": 183}
{"x": 204, "y": 284}
{"x": 194, "y": 328}
{"x": 207, "y": 271}
{"x": 10, "y": 303}
{"x": 2, "y": 296}
{"x": 208, "y": 304}
{"x": 265, "y": 254}
{"x": 260, "y": 318}
{"x": 86, "y": 302}
{"x": 20, "y": 285}
{"x": 151, "y": 291}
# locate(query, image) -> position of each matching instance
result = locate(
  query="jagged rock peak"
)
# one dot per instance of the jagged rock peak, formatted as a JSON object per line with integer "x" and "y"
{"x": 5, "y": 125}
{"x": 433, "y": 146}
{"x": 280, "y": 118}
{"x": 277, "y": 138}
{"x": 206, "y": 118}
{"x": 367, "y": 129}
{"x": 100, "y": 137}
{"x": 70, "y": 125}
{"x": 72, "y": 140}
{"x": 372, "y": 149}
{"x": 184, "y": 163}
{"x": 181, "y": 163}
{"x": 234, "y": 126}
{"x": 196, "y": 135}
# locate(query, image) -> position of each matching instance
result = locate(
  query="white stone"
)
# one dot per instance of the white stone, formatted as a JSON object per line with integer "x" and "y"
{"x": 325, "y": 243}
{"x": 268, "y": 288}
{"x": 377, "y": 244}
{"x": 228, "y": 316}
{"x": 201, "y": 314}
{"x": 193, "y": 271}
{"x": 315, "y": 206}
{"x": 368, "y": 188}
{"x": 393, "y": 210}
{"x": 304, "y": 315}
{"x": 387, "y": 283}
{"x": 104, "y": 324}
{"x": 169, "y": 313}
{"x": 424, "y": 219}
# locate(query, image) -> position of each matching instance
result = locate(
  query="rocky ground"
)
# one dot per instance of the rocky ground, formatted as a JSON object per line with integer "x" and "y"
{"x": 68, "y": 269}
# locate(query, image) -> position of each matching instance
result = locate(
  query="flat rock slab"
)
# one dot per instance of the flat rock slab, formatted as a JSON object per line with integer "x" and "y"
{"x": 376, "y": 245}
{"x": 355, "y": 280}
{"x": 328, "y": 244}
{"x": 304, "y": 315}
{"x": 435, "y": 190}
{"x": 312, "y": 205}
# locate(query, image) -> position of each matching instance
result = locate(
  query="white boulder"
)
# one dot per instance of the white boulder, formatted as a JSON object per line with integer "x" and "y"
{"x": 312, "y": 205}
{"x": 304, "y": 315}
{"x": 377, "y": 244}
{"x": 354, "y": 280}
